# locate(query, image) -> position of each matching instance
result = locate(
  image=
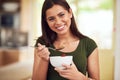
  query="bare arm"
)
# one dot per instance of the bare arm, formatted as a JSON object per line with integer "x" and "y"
{"x": 40, "y": 66}
{"x": 93, "y": 65}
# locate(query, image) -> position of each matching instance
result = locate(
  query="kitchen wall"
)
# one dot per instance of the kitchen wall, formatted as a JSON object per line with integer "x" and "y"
{"x": 117, "y": 48}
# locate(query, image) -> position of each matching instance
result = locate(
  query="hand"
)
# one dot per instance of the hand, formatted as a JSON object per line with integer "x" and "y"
{"x": 70, "y": 72}
{"x": 43, "y": 52}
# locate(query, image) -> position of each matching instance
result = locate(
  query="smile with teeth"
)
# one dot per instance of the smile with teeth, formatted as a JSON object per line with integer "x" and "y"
{"x": 60, "y": 27}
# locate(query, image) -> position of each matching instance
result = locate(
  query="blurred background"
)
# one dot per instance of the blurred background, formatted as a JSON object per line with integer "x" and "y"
{"x": 20, "y": 26}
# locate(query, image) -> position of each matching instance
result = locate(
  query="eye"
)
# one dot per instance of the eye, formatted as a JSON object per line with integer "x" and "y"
{"x": 61, "y": 15}
{"x": 51, "y": 19}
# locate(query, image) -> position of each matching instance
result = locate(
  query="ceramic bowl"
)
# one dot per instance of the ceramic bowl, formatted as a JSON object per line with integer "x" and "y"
{"x": 57, "y": 61}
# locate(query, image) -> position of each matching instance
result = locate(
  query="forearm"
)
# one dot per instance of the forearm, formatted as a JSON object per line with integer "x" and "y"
{"x": 83, "y": 77}
{"x": 80, "y": 76}
{"x": 40, "y": 70}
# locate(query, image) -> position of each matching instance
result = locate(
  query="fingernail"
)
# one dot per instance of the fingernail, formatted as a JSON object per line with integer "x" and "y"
{"x": 38, "y": 43}
{"x": 55, "y": 69}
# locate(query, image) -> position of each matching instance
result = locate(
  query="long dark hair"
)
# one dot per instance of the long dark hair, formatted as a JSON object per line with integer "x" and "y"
{"x": 48, "y": 35}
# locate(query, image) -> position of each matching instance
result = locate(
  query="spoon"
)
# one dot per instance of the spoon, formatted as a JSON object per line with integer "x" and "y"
{"x": 60, "y": 48}
{"x": 55, "y": 49}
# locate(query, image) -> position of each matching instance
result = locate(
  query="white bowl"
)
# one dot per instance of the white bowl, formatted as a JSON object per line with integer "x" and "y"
{"x": 57, "y": 61}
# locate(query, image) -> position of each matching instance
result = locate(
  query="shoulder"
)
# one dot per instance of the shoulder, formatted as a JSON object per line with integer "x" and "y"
{"x": 88, "y": 40}
{"x": 90, "y": 45}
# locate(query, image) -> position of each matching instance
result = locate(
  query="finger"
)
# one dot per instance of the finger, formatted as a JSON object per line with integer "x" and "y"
{"x": 44, "y": 56}
{"x": 39, "y": 44}
{"x": 44, "y": 53}
{"x": 73, "y": 64}
{"x": 56, "y": 69}
{"x": 41, "y": 47}
{"x": 66, "y": 66}
{"x": 62, "y": 70}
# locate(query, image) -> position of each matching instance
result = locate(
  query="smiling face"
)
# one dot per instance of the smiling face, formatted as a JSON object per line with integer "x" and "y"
{"x": 59, "y": 19}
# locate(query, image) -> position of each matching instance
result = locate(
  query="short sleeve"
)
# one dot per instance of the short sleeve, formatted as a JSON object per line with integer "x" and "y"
{"x": 90, "y": 46}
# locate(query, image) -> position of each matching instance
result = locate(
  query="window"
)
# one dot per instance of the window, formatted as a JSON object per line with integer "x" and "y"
{"x": 95, "y": 19}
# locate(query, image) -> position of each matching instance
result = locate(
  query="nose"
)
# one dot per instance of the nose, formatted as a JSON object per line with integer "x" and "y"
{"x": 58, "y": 20}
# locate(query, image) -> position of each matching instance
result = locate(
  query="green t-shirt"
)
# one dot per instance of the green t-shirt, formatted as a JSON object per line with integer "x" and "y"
{"x": 80, "y": 55}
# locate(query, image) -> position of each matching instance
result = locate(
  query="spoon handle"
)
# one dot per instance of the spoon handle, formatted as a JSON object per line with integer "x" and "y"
{"x": 50, "y": 48}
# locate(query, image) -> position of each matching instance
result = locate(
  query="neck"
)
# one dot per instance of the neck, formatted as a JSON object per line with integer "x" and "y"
{"x": 66, "y": 41}
{"x": 63, "y": 40}
{"x": 65, "y": 37}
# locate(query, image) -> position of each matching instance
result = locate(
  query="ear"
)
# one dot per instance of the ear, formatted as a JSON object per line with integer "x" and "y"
{"x": 70, "y": 12}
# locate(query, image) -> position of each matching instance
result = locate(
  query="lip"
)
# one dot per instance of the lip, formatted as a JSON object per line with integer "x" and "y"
{"x": 60, "y": 27}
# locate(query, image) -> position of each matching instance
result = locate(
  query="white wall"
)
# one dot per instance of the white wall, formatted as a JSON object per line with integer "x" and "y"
{"x": 117, "y": 48}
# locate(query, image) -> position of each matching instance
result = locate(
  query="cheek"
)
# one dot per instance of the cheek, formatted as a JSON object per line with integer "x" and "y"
{"x": 68, "y": 21}
{"x": 51, "y": 25}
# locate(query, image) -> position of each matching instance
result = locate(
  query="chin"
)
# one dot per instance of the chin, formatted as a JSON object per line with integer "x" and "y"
{"x": 62, "y": 32}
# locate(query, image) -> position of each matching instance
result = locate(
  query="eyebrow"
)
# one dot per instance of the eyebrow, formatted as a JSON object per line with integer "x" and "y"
{"x": 57, "y": 14}
{"x": 61, "y": 13}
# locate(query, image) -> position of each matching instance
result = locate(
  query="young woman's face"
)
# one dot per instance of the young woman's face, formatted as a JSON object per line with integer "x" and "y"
{"x": 59, "y": 19}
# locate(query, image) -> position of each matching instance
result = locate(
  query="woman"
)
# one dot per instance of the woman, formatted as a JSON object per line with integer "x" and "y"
{"x": 59, "y": 28}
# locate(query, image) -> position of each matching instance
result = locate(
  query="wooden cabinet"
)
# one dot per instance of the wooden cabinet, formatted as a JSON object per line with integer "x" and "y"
{"x": 1, "y": 58}
{"x": 9, "y": 22}
{"x": 8, "y": 56}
